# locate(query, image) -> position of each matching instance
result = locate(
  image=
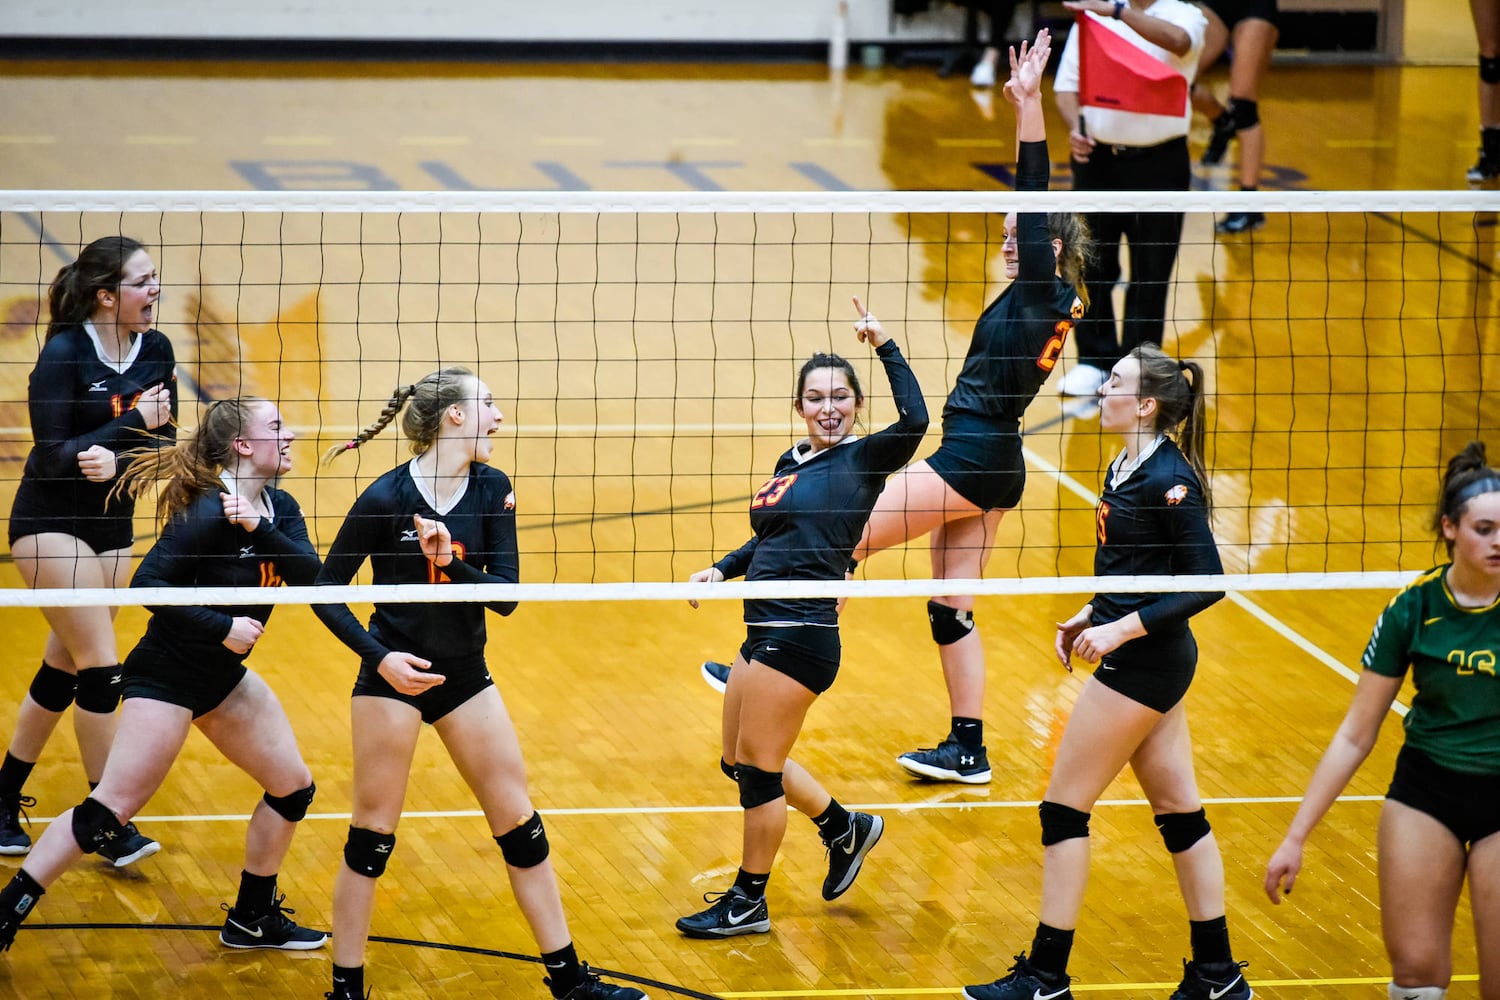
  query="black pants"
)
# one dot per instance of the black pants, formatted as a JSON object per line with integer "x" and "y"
{"x": 1152, "y": 237}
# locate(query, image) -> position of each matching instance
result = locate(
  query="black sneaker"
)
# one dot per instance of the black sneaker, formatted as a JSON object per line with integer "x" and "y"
{"x": 716, "y": 675}
{"x": 129, "y": 847}
{"x": 13, "y": 839}
{"x": 1239, "y": 222}
{"x": 847, "y": 853}
{"x": 591, "y": 987}
{"x": 732, "y": 913}
{"x": 1487, "y": 169}
{"x": 344, "y": 993}
{"x": 948, "y": 761}
{"x": 1230, "y": 985}
{"x": 1218, "y": 143}
{"x": 274, "y": 930}
{"x": 1023, "y": 983}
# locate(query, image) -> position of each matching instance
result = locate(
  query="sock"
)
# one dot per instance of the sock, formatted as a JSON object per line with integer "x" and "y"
{"x": 13, "y": 774}
{"x": 563, "y": 971}
{"x": 968, "y": 732}
{"x": 16, "y": 892}
{"x": 834, "y": 822}
{"x": 349, "y": 979}
{"x": 1050, "y": 950}
{"x": 257, "y": 895}
{"x": 1210, "y": 941}
{"x": 753, "y": 886}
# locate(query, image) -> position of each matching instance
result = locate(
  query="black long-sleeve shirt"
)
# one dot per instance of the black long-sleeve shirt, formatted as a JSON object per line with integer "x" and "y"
{"x": 379, "y": 527}
{"x": 1019, "y": 336}
{"x": 201, "y": 548}
{"x": 808, "y": 517}
{"x": 76, "y": 401}
{"x": 1155, "y": 523}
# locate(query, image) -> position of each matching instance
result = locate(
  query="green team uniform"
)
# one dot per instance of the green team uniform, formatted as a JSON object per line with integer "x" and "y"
{"x": 1452, "y": 651}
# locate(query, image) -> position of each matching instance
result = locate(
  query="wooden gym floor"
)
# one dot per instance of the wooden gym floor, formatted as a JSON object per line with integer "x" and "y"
{"x": 1336, "y": 401}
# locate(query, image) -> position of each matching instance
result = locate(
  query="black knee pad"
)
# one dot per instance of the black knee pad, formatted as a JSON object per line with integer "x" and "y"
{"x": 1489, "y": 69}
{"x": 948, "y": 624}
{"x": 94, "y": 825}
{"x": 294, "y": 806}
{"x": 757, "y": 787}
{"x": 526, "y": 846}
{"x": 99, "y": 689}
{"x": 1179, "y": 831}
{"x": 53, "y": 689}
{"x": 1244, "y": 114}
{"x": 728, "y": 770}
{"x": 1060, "y": 822}
{"x": 367, "y": 852}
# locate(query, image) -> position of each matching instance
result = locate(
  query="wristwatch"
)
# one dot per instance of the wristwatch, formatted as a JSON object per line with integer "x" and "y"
{"x": 1119, "y": 6}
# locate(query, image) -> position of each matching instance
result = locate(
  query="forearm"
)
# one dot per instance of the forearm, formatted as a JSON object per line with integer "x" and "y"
{"x": 1067, "y": 107}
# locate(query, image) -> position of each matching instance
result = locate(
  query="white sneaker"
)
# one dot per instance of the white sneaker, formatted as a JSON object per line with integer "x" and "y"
{"x": 1082, "y": 380}
{"x": 983, "y": 75}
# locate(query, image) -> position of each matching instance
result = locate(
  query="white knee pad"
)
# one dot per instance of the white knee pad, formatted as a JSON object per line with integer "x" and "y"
{"x": 1417, "y": 992}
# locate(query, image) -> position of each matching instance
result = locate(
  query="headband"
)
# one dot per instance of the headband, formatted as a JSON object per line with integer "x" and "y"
{"x": 1484, "y": 484}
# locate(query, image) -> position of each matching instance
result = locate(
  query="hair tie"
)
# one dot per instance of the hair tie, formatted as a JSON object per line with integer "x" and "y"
{"x": 1182, "y": 366}
{"x": 351, "y": 445}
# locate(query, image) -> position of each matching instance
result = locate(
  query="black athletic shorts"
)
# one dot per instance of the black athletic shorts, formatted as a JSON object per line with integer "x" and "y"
{"x": 981, "y": 460}
{"x": 161, "y": 675}
{"x": 464, "y": 676}
{"x": 1232, "y": 12}
{"x": 1154, "y": 670}
{"x": 808, "y": 654}
{"x": 34, "y": 514}
{"x": 1467, "y": 804}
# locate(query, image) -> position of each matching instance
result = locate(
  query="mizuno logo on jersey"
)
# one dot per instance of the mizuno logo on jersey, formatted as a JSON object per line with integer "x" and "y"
{"x": 409, "y": 535}
{"x": 98, "y": 387}
{"x": 247, "y": 551}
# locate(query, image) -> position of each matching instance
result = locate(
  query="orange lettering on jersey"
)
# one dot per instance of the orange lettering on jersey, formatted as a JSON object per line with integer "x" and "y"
{"x": 1048, "y": 358}
{"x": 435, "y": 575}
{"x": 1100, "y": 515}
{"x": 771, "y": 493}
{"x": 268, "y": 575}
{"x": 118, "y": 405}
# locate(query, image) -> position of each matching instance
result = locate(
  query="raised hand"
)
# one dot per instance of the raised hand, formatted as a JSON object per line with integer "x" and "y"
{"x": 240, "y": 510}
{"x": 868, "y": 329}
{"x": 1027, "y": 69}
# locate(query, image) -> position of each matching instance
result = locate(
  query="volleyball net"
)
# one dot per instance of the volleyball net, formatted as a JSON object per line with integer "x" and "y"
{"x": 644, "y": 347}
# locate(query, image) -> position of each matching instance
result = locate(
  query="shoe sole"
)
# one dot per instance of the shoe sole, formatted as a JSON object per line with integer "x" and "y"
{"x": 710, "y": 679}
{"x": 877, "y": 829}
{"x": 931, "y": 773}
{"x": 130, "y": 859}
{"x": 285, "y": 946}
{"x": 753, "y": 927}
{"x": 14, "y": 850}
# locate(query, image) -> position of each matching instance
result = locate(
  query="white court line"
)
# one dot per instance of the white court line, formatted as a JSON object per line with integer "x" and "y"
{"x": 1261, "y": 614}
{"x": 708, "y": 810}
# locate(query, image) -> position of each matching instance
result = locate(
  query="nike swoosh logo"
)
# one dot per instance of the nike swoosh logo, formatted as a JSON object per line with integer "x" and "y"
{"x": 255, "y": 933}
{"x": 1039, "y": 995}
{"x": 1214, "y": 994}
{"x": 735, "y": 919}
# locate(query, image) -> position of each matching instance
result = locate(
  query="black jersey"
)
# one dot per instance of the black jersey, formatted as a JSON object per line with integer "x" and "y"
{"x": 808, "y": 517}
{"x": 1155, "y": 523}
{"x": 201, "y": 548}
{"x": 379, "y": 527}
{"x": 77, "y": 401}
{"x": 1019, "y": 337}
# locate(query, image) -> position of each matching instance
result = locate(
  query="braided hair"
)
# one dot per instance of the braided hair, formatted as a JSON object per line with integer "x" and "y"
{"x": 430, "y": 396}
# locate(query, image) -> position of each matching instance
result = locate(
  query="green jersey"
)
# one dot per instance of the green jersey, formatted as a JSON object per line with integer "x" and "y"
{"x": 1455, "y": 716}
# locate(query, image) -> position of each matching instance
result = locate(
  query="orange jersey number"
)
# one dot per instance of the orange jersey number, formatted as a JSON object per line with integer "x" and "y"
{"x": 435, "y": 575}
{"x": 268, "y": 575}
{"x": 770, "y": 494}
{"x": 119, "y": 405}
{"x": 1047, "y": 360}
{"x": 1100, "y": 515}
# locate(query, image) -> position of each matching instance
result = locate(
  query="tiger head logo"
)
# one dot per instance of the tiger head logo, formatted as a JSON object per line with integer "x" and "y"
{"x": 1176, "y": 495}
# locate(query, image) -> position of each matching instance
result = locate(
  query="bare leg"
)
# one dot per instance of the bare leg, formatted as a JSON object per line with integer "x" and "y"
{"x": 1421, "y": 875}
{"x": 771, "y": 712}
{"x": 1484, "y": 895}
{"x": 1164, "y": 765}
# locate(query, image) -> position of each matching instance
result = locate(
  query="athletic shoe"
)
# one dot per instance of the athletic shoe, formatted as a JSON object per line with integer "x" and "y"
{"x": 274, "y": 930}
{"x": 847, "y": 853}
{"x": 983, "y": 75}
{"x": 1196, "y": 986}
{"x": 1239, "y": 222}
{"x": 1218, "y": 143}
{"x": 716, "y": 675}
{"x": 1487, "y": 169}
{"x": 591, "y": 987}
{"x": 129, "y": 847}
{"x": 1023, "y": 983}
{"x": 1082, "y": 380}
{"x": 948, "y": 761}
{"x": 13, "y": 839}
{"x": 340, "y": 992}
{"x": 732, "y": 913}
